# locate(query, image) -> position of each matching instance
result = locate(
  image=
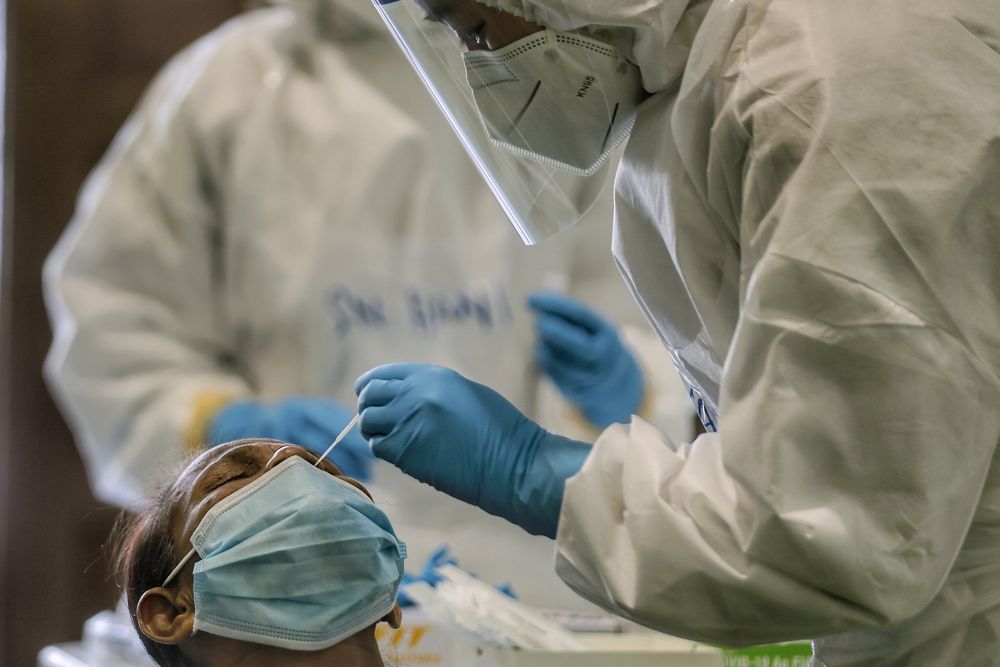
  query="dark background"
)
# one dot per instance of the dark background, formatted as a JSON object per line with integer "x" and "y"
{"x": 74, "y": 70}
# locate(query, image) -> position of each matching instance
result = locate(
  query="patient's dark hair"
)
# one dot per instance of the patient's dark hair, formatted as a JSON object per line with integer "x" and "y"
{"x": 144, "y": 555}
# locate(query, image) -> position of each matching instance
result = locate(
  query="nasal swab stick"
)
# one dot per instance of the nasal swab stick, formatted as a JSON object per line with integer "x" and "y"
{"x": 343, "y": 434}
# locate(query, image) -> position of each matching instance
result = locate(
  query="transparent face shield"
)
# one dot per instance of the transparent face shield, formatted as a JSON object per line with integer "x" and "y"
{"x": 542, "y": 116}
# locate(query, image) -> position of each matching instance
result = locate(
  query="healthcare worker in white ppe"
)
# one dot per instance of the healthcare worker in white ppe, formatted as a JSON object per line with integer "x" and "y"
{"x": 287, "y": 209}
{"x": 808, "y": 212}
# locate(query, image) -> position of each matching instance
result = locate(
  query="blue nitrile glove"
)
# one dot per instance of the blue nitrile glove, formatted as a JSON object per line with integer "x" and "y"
{"x": 466, "y": 440}
{"x": 310, "y": 421}
{"x": 586, "y": 359}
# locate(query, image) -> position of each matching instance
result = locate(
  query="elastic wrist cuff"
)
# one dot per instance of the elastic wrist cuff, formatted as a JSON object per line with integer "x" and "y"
{"x": 645, "y": 408}
{"x": 205, "y": 407}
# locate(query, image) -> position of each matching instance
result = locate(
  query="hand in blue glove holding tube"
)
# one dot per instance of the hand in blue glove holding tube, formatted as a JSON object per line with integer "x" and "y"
{"x": 466, "y": 440}
{"x": 310, "y": 421}
{"x": 583, "y": 355}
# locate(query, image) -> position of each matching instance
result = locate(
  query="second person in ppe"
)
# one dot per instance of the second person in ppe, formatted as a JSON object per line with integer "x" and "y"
{"x": 284, "y": 210}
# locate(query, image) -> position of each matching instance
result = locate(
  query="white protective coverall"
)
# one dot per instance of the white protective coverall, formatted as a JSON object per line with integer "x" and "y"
{"x": 808, "y": 212}
{"x": 285, "y": 210}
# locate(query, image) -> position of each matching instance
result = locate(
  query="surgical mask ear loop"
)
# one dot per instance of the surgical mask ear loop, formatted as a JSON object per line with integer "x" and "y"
{"x": 340, "y": 438}
{"x": 343, "y": 434}
{"x": 180, "y": 566}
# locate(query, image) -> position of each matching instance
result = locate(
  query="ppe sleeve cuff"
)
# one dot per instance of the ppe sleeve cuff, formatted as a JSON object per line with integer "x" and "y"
{"x": 205, "y": 407}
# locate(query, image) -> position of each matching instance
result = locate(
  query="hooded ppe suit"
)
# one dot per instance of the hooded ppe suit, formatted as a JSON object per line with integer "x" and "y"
{"x": 284, "y": 210}
{"x": 808, "y": 213}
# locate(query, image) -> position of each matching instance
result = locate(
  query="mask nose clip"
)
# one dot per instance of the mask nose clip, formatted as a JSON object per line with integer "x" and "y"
{"x": 288, "y": 451}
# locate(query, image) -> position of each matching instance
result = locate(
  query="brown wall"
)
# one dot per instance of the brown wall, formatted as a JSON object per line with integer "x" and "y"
{"x": 75, "y": 68}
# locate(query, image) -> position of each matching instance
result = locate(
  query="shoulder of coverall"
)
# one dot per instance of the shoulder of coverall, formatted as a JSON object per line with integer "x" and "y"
{"x": 335, "y": 20}
{"x": 208, "y": 87}
{"x": 205, "y": 91}
{"x": 813, "y": 75}
{"x": 225, "y": 64}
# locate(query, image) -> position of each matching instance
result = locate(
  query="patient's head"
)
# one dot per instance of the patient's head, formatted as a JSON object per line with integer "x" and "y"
{"x": 294, "y": 565}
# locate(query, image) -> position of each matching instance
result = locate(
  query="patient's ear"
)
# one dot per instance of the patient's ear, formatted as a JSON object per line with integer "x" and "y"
{"x": 165, "y": 616}
{"x": 395, "y": 617}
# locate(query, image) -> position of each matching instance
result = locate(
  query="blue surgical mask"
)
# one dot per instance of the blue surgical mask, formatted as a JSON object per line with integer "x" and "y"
{"x": 297, "y": 559}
